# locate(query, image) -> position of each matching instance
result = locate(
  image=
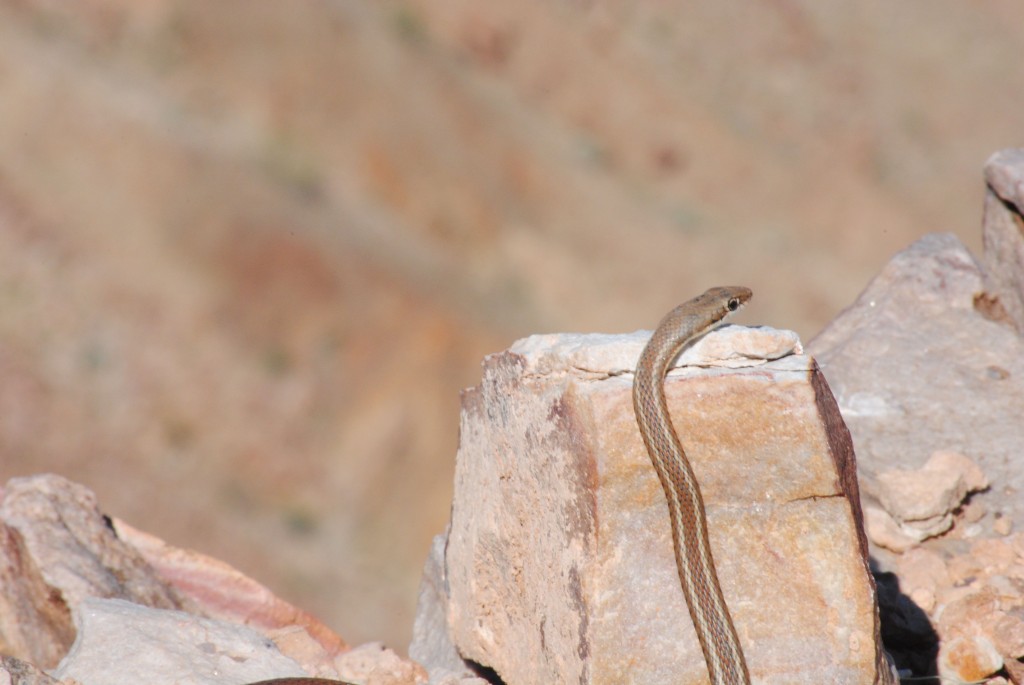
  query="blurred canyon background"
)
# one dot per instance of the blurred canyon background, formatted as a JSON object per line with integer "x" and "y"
{"x": 250, "y": 251}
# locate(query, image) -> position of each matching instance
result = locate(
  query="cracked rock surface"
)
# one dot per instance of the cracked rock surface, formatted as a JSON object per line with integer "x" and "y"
{"x": 558, "y": 566}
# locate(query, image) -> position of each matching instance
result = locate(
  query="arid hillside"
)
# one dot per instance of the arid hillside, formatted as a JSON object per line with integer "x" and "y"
{"x": 251, "y": 251}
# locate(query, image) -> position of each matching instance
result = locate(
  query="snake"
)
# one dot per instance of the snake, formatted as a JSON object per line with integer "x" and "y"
{"x": 716, "y": 633}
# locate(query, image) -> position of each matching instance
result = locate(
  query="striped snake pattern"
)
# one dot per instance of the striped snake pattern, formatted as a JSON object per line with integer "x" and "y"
{"x": 715, "y": 631}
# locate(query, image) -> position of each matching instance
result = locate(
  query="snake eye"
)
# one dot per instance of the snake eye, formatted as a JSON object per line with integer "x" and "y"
{"x": 733, "y": 304}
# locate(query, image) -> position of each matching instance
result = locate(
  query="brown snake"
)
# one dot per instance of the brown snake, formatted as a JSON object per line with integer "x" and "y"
{"x": 711, "y": 620}
{"x": 714, "y": 627}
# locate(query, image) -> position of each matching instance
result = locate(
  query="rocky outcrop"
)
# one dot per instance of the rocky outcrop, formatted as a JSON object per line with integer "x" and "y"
{"x": 928, "y": 369}
{"x": 58, "y": 549}
{"x": 558, "y": 566}
{"x": 100, "y": 602}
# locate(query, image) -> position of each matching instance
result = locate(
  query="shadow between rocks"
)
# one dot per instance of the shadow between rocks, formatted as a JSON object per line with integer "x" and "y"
{"x": 907, "y": 633}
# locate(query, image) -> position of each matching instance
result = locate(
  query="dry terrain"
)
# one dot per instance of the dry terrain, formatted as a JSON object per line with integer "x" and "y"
{"x": 251, "y": 251}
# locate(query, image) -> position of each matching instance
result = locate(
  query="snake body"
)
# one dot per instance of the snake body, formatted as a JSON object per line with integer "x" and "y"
{"x": 708, "y": 610}
{"x": 715, "y": 631}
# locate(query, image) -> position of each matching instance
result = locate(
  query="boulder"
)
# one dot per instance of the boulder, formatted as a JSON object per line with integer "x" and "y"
{"x": 558, "y": 566}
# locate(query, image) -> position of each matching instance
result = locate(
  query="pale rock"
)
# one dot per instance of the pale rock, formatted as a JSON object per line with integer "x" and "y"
{"x": 604, "y": 354}
{"x": 75, "y": 544}
{"x": 973, "y": 511}
{"x": 922, "y": 501}
{"x": 1004, "y": 236}
{"x": 971, "y": 530}
{"x": 221, "y": 591}
{"x": 121, "y": 643}
{"x": 1002, "y": 525}
{"x": 57, "y": 548}
{"x": 1016, "y": 541}
{"x": 969, "y": 473}
{"x": 992, "y": 612}
{"x": 964, "y": 568}
{"x": 431, "y": 643}
{"x": 296, "y": 643}
{"x": 375, "y": 664}
{"x": 918, "y": 365}
{"x": 14, "y": 671}
{"x": 968, "y": 659}
{"x": 559, "y": 567}
{"x": 885, "y": 531}
{"x": 996, "y": 555}
{"x": 1015, "y": 670}
{"x": 1008, "y": 636}
{"x": 921, "y": 573}
{"x": 923, "y": 597}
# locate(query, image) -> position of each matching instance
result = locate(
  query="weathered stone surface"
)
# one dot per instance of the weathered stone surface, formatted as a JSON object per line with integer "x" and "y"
{"x": 431, "y": 644}
{"x": 374, "y": 664}
{"x": 922, "y": 574}
{"x": 559, "y": 564}
{"x": 1003, "y": 236}
{"x": 57, "y": 549}
{"x": 922, "y": 501}
{"x": 968, "y": 659}
{"x": 603, "y": 354}
{"x": 916, "y": 368}
{"x": 121, "y": 643}
{"x": 14, "y": 671}
{"x": 885, "y": 531}
{"x": 75, "y": 545}
{"x": 32, "y": 625}
{"x": 221, "y": 591}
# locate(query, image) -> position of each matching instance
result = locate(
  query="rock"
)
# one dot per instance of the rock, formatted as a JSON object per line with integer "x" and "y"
{"x": 57, "y": 549}
{"x": 922, "y": 572}
{"x": 968, "y": 659}
{"x": 611, "y": 355}
{"x": 374, "y": 664}
{"x": 221, "y": 591}
{"x": 559, "y": 564}
{"x": 966, "y": 471}
{"x": 431, "y": 644}
{"x": 885, "y": 531}
{"x": 1002, "y": 525}
{"x": 922, "y": 501}
{"x": 119, "y": 641}
{"x": 75, "y": 544}
{"x": 1008, "y": 636}
{"x": 990, "y": 604}
{"x": 1004, "y": 237}
{"x": 1015, "y": 670}
{"x": 917, "y": 368}
{"x": 14, "y": 671}
{"x": 930, "y": 361}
